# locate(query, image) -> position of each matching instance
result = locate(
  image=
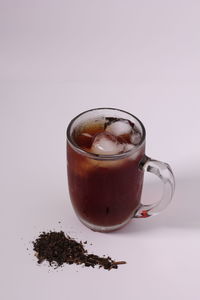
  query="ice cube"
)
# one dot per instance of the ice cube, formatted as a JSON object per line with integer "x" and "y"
{"x": 120, "y": 127}
{"x": 106, "y": 144}
{"x": 86, "y": 134}
{"x": 135, "y": 138}
{"x": 129, "y": 147}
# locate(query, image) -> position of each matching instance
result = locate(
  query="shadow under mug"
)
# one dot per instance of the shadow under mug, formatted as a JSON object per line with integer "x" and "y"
{"x": 105, "y": 190}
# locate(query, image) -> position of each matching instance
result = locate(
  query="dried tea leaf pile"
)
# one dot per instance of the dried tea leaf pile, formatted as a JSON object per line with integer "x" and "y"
{"x": 58, "y": 249}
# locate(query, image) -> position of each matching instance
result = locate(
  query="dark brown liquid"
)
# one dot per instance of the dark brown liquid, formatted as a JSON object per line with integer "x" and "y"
{"x": 103, "y": 193}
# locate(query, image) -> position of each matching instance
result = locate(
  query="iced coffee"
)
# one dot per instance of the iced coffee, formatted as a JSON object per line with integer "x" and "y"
{"x": 105, "y": 180}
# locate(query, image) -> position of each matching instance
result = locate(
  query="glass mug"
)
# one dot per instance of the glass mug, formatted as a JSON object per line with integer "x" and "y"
{"x": 105, "y": 189}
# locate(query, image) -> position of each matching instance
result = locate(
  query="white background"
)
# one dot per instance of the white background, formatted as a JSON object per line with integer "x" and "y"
{"x": 58, "y": 58}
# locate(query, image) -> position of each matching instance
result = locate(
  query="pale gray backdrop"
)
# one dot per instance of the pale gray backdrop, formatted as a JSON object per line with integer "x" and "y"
{"x": 58, "y": 58}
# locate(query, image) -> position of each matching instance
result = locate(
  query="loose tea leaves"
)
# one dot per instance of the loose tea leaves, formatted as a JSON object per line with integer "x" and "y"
{"x": 58, "y": 249}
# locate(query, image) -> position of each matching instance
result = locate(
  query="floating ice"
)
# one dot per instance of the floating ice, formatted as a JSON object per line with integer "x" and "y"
{"x": 106, "y": 144}
{"x": 119, "y": 128}
{"x": 128, "y": 147}
{"x": 135, "y": 138}
{"x": 86, "y": 134}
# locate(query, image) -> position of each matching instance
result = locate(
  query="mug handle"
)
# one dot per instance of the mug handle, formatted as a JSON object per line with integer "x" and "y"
{"x": 164, "y": 172}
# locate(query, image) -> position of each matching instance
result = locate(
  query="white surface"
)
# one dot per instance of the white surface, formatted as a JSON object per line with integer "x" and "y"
{"x": 59, "y": 58}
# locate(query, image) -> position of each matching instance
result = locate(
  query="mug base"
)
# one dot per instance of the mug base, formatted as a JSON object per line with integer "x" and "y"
{"x": 104, "y": 229}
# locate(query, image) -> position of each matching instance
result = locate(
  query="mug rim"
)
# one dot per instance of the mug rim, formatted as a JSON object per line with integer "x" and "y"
{"x": 103, "y": 156}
